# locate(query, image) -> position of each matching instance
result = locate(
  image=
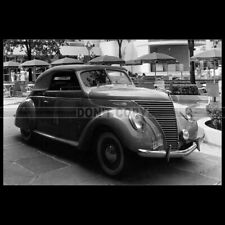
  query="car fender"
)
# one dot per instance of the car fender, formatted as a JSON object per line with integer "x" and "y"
{"x": 117, "y": 121}
{"x": 25, "y": 115}
{"x": 190, "y": 125}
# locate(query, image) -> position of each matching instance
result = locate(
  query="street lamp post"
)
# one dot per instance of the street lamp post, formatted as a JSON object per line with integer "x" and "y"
{"x": 89, "y": 46}
{"x": 191, "y": 47}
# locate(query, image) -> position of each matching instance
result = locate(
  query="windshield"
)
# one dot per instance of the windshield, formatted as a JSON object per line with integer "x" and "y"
{"x": 104, "y": 77}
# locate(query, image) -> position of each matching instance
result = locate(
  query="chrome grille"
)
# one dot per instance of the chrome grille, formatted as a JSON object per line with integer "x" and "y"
{"x": 164, "y": 113}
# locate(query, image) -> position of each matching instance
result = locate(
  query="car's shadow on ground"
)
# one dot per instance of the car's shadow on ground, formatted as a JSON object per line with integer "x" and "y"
{"x": 141, "y": 171}
{"x": 59, "y": 150}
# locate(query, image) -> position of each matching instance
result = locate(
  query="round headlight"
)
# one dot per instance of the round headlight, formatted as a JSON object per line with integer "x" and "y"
{"x": 185, "y": 134}
{"x": 137, "y": 121}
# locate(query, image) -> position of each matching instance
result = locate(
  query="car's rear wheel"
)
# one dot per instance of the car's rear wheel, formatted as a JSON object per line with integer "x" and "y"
{"x": 26, "y": 134}
{"x": 110, "y": 154}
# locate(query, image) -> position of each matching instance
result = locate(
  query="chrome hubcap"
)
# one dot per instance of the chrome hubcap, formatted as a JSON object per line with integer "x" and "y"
{"x": 110, "y": 153}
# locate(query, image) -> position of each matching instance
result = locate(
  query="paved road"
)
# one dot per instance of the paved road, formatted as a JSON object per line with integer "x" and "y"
{"x": 52, "y": 163}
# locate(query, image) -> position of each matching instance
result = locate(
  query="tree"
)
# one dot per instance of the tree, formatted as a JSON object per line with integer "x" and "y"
{"x": 39, "y": 48}
{"x": 44, "y": 48}
{"x": 119, "y": 41}
{"x": 216, "y": 43}
{"x": 120, "y": 46}
{"x": 192, "y": 64}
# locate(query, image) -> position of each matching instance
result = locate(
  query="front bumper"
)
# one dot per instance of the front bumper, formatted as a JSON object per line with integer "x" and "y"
{"x": 167, "y": 154}
{"x": 174, "y": 154}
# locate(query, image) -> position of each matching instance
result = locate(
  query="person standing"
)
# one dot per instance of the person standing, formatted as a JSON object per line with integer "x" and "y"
{"x": 11, "y": 91}
{"x": 12, "y": 75}
{"x": 18, "y": 76}
{"x": 207, "y": 72}
{"x": 26, "y": 74}
{"x": 22, "y": 76}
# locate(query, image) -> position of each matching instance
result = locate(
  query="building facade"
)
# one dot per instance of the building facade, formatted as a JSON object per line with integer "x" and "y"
{"x": 131, "y": 49}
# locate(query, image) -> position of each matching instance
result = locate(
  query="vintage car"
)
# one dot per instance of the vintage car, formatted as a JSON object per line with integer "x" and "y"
{"x": 98, "y": 108}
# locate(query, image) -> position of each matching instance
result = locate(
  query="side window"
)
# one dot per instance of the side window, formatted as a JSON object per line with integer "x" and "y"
{"x": 118, "y": 77}
{"x": 94, "y": 78}
{"x": 64, "y": 80}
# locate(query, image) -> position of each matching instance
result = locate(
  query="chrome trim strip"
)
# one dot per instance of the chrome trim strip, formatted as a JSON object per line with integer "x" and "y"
{"x": 46, "y": 96}
{"x": 73, "y": 143}
{"x": 162, "y": 153}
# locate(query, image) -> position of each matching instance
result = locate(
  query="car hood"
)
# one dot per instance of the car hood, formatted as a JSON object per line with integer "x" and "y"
{"x": 126, "y": 93}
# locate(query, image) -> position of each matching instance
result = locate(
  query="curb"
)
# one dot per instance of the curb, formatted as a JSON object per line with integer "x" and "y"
{"x": 212, "y": 136}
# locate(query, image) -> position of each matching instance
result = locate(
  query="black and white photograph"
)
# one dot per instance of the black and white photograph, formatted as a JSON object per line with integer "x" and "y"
{"x": 112, "y": 112}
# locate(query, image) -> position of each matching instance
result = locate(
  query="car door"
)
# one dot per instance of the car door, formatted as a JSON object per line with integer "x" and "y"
{"x": 69, "y": 100}
{"x": 38, "y": 96}
{"x": 48, "y": 122}
{"x": 48, "y": 106}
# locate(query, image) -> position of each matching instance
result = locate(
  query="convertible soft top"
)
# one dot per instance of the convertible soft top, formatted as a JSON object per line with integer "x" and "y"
{"x": 43, "y": 80}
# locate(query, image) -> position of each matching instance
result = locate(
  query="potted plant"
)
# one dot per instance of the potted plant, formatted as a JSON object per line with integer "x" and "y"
{"x": 214, "y": 111}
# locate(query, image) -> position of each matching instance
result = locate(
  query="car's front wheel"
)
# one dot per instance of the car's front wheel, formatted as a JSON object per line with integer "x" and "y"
{"x": 110, "y": 154}
{"x": 26, "y": 134}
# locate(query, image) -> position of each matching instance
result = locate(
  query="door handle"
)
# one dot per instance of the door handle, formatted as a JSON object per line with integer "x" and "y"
{"x": 45, "y": 101}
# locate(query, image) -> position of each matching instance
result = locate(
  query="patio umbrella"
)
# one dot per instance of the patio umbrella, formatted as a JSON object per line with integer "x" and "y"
{"x": 34, "y": 63}
{"x": 106, "y": 59}
{"x": 66, "y": 60}
{"x": 11, "y": 64}
{"x": 155, "y": 58}
{"x": 211, "y": 54}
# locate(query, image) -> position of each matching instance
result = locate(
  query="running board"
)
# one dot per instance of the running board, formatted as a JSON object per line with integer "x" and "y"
{"x": 73, "y": 143}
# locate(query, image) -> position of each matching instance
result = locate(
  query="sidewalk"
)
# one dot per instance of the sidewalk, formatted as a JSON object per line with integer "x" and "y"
{"x": 210, "y": 149}
{"x": 13, "y": 100}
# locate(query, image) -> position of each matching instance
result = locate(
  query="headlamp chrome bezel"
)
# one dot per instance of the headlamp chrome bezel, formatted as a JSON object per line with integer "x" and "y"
{"x": 137, "y": 121}
{"x": 185, "y": 134}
